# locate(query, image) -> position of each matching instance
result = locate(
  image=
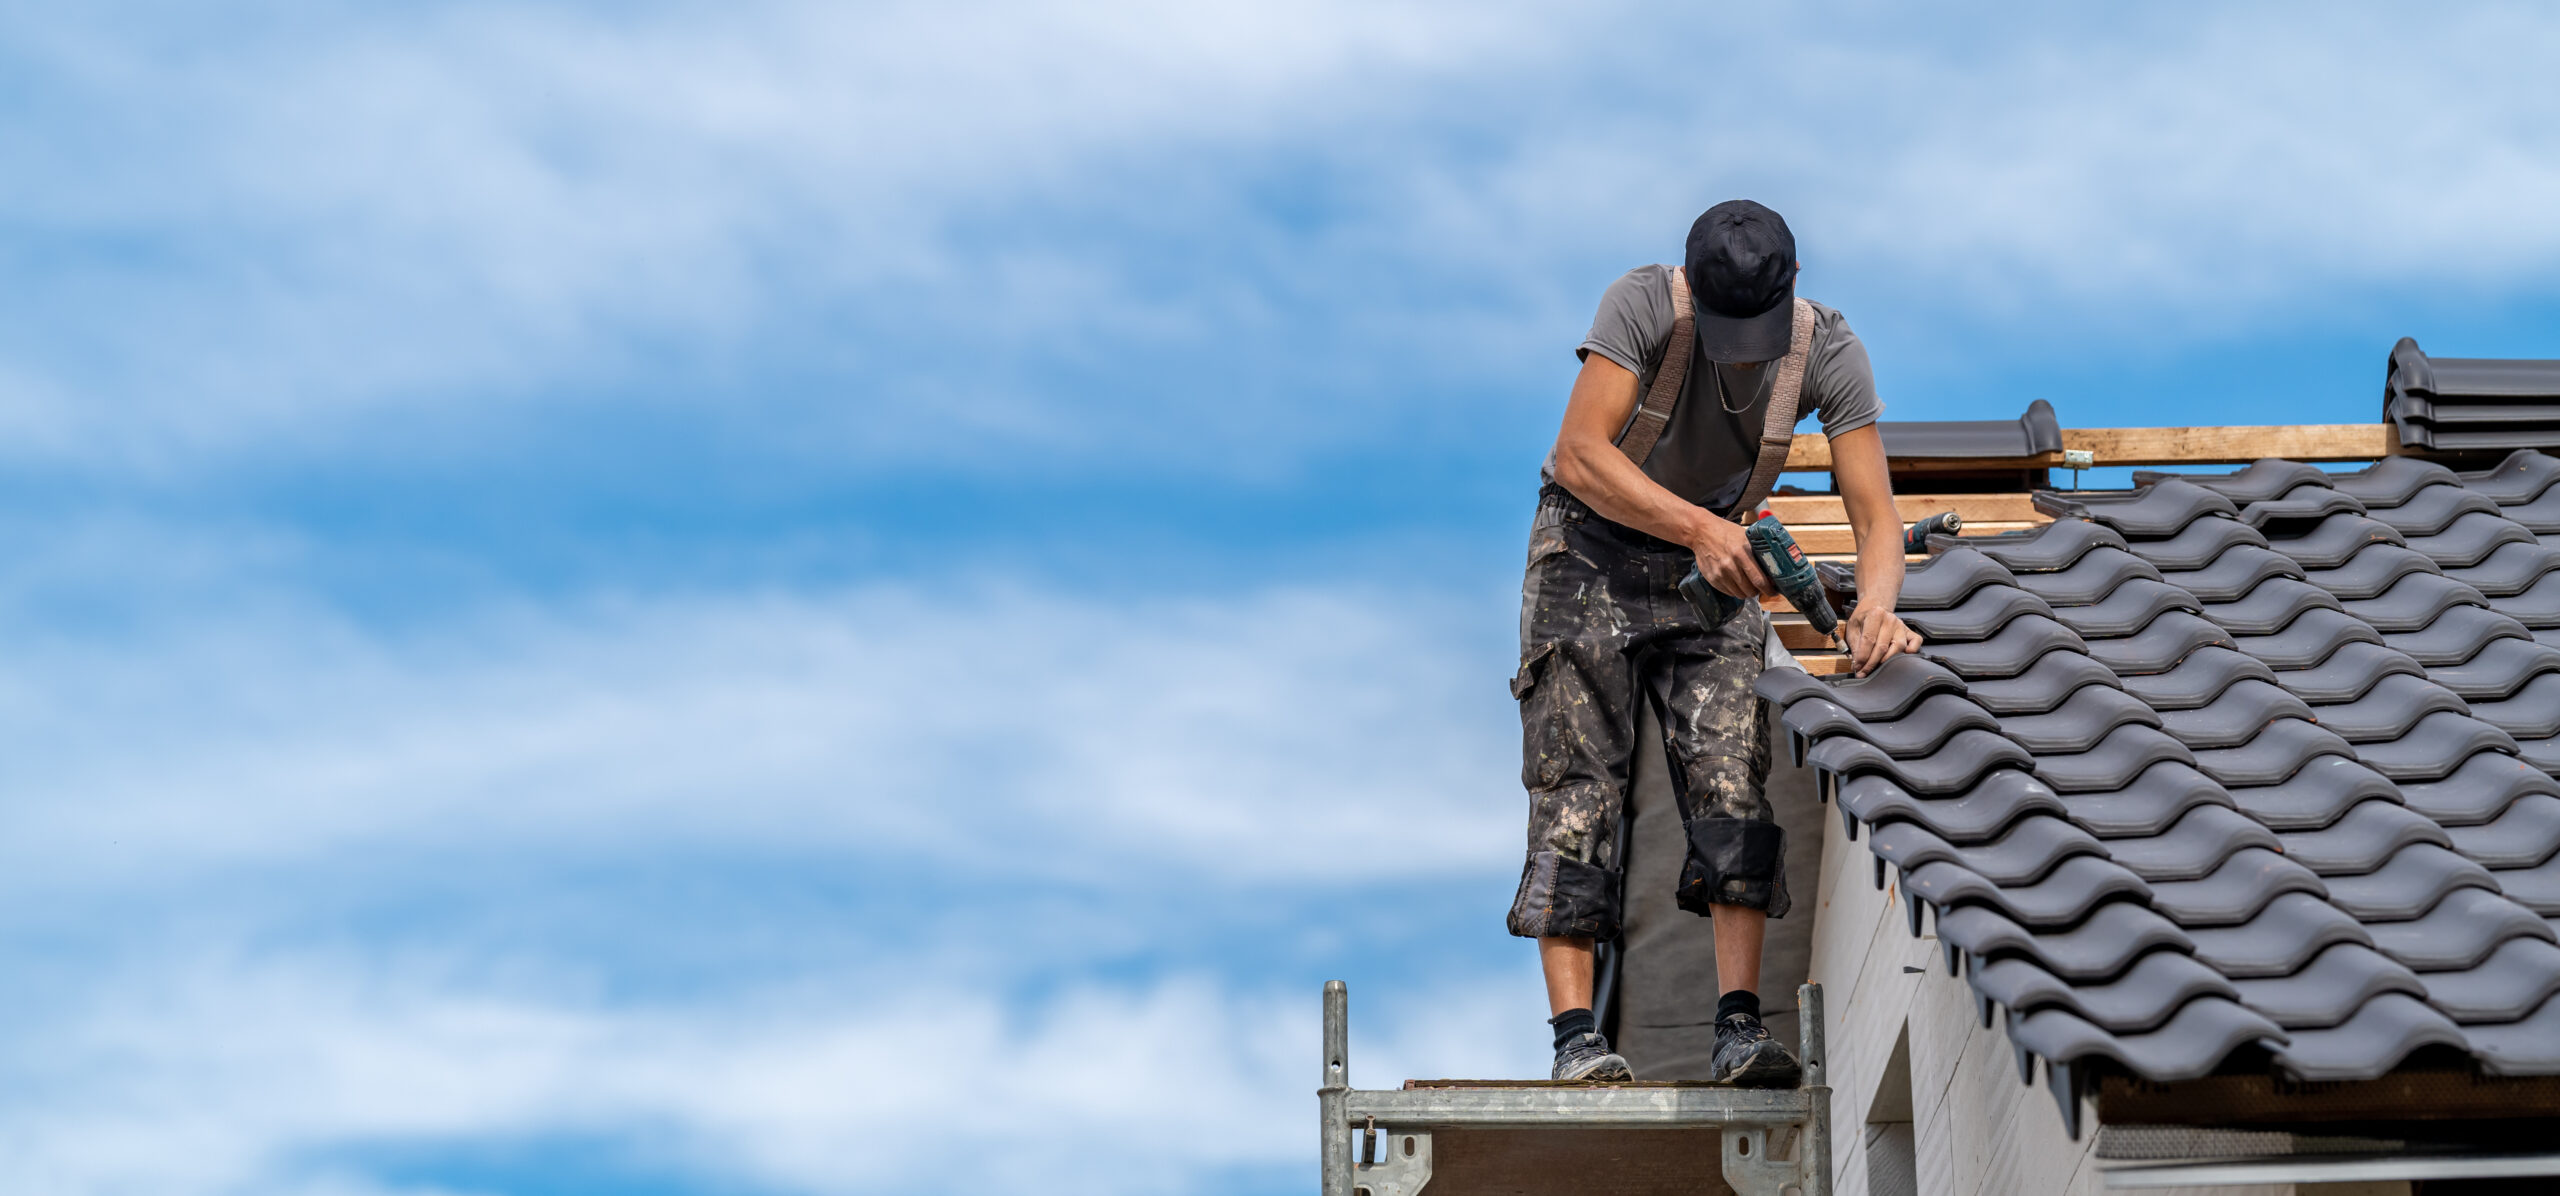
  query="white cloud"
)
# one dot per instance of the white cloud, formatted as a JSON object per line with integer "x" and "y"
{"x": 215, "y": 1076}
{"x": 1079, "y": 739}
{"x": 972, "y": 229}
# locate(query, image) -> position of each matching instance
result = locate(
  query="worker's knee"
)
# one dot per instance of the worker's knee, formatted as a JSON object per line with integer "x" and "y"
{"x": 1735, "y": 861}
{"x": 1564, "y": 897}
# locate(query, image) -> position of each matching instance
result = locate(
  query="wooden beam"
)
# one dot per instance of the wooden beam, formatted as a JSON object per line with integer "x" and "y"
{"x": 1974, "y": 508}
{"x": 1823, "y": 538}
{"x": 1823, "y": 664}
{"x": 2158, "y": 446}
{"x": 1801, "y": 637}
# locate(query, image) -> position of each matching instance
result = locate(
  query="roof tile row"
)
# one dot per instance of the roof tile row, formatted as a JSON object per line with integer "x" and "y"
{"x": 2260, "y": 762}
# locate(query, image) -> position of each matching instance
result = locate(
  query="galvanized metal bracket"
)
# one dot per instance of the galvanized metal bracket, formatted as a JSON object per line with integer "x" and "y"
{"x": 1751, "y": 1167}
{"x": 1403, "y": 1172}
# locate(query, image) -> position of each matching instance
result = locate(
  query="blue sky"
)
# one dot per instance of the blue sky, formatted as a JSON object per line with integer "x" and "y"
{"x": 778, "y": 598}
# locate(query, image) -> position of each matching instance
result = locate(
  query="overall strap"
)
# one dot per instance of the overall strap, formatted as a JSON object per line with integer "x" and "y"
{"x": 1779, "y": 434}
{"x": 1655, "y": 411}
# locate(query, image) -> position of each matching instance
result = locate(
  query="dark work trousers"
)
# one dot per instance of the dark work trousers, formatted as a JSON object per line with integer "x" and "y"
{"x": 1602, "y": 627}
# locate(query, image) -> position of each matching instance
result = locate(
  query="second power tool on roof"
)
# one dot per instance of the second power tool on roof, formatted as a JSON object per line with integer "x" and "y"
{"x": 1782, "y": 561}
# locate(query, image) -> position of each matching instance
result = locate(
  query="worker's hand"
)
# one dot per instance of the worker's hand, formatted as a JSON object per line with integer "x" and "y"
{"x": 1724, "y": 558}
{"x": 1876, "y": 635}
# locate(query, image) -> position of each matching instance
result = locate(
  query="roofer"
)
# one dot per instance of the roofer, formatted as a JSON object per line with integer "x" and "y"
{"x": 1726, "y": 358}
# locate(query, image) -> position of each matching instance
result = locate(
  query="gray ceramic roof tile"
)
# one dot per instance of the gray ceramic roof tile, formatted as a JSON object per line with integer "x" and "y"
{"x": 2234, "y": 718}
{"x": 1979, "y": 616}
{"x": 2191, "y": 847}
{"x": 2320, "y": 794}
{"x": 2060, "y": 900}
{"x": 2414, "y": 602}
{"x": 2522, "y": 477}
{"x": 2349, "y": 674}
{"x": 2203, "y": 677}
{"x": 2168, "y": 639}
{"x": 2527, "y": 834}
{"x": 2458, "y": 933}
{"x": 2055, "y": 546}
{"x": 2479, "y": 791}
{"x": 2279, "y": 939}
{"x": 2092, "y": 577}
{"x": 2433, "y": 509}
{"x": 2407, "y": 885}
{"x": 2026, "y": 853}
{"x": 2177, "y": 786}
{"x": 2536, "y": 887}
{"x": 2386, "y": 1031}
{"x": 2455, "y": 636}
{"x": 2329, "y": 989}
{"x": 1979, "y": 815}
{"x": 2007, "y": 653}
{"x": 2540, "y": 753}
{"x": 2271, "y": 756}
{"x": 2526, "y": 1047}
{"x": 2542, "y": 515}
{"x": 2361, "y": 840}
{"x": 2392, "y": 480}
{"x": 2235, "y": 892}
{"x": 2500, "y": 669}
{"x": 1923, "y": 731}
{"x": 2232, "y": 575}
{"x": 2157, "y": 511}
{"x": 2334, "y": 541}
{"x": 2308, "y": 640}
{"x": 2045, "y": 685}
{"x": 2130, "y": 609}
{"x": 2196, "y": 1040}
{"x": 2516, "y": 978}
{"x": 2439, "y": 744}
{"x": 2265, "y": 478}
{"x": 2098, "y": 949}
{"x": 2371, "y": 571}
{"x": 2079, "y": 722}
{"x": 1967, "y": 756}
{"x": 2156, "y": 986}
{"x": 1948, "y": 579}
{"x": 2301, "y": 504}
{"x": 2199, "y": 545}
{"x": 2509, "y": 569}
{"x": 2268, "y": 608}
{"x": 2151, "y": 804}
{"x": 2537, "y": 607}
{"x": 2114, "y": 762}
{"x": 2389, "y": 710}
{"x": 1888, "y": 693}
{"x": 2470, "y": 539}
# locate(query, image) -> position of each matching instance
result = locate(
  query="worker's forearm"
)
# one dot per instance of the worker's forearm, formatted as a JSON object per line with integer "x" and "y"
{"x": 1880, "y": 563}
{"x": 1606, "y": 481}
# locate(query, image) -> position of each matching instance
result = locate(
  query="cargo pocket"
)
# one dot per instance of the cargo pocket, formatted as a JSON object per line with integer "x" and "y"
{"x": 1542, "y": 725}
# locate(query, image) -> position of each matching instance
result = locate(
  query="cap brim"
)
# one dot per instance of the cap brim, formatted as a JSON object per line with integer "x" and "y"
{"x": 1763, "y": 337}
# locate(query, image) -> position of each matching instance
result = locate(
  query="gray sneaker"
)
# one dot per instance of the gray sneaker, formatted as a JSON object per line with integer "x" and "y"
{"x": 1588, "y": 1057}
{"x": 1747, "y": 1057}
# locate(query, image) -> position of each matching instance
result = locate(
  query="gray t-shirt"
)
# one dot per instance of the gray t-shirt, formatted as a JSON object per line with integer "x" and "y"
{"x": 1707, "y": 451}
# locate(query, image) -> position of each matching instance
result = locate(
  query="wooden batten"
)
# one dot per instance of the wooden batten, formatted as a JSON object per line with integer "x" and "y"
{"x": 2156, "y": 446}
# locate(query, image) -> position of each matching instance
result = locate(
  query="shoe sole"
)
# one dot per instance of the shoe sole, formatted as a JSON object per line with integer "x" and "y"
{"x": 1768, "y": 1067}
{"x": 1607, "y": 1069}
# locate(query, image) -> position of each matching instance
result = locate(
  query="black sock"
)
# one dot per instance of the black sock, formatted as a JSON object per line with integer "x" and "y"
{"x": 1573, "y": 1022}
{"x": 1740, "y": 1000}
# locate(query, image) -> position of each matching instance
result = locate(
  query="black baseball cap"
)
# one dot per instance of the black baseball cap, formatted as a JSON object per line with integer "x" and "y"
{"x": 1742, "y": 278}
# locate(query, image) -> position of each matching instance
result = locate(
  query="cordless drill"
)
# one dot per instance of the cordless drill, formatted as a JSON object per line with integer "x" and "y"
{"x": 1783, "y": 563}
